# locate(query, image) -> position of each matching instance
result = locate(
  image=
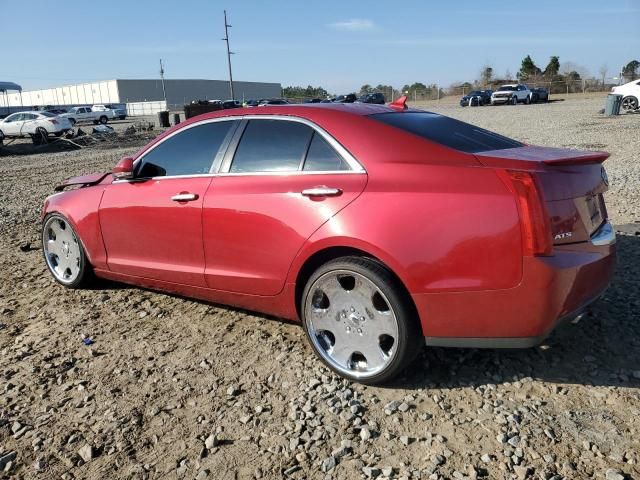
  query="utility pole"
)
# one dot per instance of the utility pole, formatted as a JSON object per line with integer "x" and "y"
{"x": 164, "y": 92}
{"x": 229, "y": 53}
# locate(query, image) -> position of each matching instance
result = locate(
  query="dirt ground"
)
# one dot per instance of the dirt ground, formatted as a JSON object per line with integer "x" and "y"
{"x": 174, "y": 388}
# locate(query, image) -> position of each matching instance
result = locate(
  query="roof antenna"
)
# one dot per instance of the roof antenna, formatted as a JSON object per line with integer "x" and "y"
{"x": 400, "y": 104}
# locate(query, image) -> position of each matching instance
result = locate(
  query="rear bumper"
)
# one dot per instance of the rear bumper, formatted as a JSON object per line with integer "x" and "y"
{"x": 553, "y": 290}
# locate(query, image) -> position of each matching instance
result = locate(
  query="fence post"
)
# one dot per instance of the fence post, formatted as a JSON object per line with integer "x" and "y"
{"x": 567, "y": 88}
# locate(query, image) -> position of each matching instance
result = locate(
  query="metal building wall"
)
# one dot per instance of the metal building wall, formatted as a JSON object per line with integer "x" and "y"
{"x": 81, "y": 94}
{"x": 184, "y": 91}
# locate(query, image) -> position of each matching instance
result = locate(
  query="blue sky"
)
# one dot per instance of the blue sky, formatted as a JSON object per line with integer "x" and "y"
{"x": 339, "y": 45}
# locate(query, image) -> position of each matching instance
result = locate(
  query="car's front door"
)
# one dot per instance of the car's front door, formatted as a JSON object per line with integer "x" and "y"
{"x": 152, "y": 225}
{"x": 282, "y": 182}
{"x": 12, "y": 125}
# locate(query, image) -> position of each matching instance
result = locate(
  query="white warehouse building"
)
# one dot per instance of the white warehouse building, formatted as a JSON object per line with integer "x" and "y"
{"x": 138, "y": 94}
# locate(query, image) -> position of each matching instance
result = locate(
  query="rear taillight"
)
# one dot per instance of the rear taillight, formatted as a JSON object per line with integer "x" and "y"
{"x": 535, "y": 224}
{"x": 54, "y": 121}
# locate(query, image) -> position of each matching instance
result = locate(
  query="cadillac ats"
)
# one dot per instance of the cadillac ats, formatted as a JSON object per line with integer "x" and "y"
{"x": 379, "y": 227}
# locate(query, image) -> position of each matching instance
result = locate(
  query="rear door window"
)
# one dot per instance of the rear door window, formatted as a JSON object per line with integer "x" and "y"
{"x": 321, "y": 157}
{"x": 447, "y": 131}
{"x": 188, "y": 152}
{"x": 271, "y": 146}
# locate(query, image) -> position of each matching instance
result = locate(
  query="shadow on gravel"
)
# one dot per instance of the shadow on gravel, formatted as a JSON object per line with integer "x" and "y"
{"x": 602, "y": 350}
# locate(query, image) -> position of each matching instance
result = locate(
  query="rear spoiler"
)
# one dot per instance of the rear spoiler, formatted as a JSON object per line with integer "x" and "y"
{"x": 532, "y": 157}
{"x": 84, "y": 180}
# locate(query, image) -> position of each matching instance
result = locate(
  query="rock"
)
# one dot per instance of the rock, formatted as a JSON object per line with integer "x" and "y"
{"x": 365, "y": 434}
{"x": 403, "y": 407}
{"x": 233, "y": 391}
{"x": 328, "y": 464}
{"x": 387, "y": 471}
{"x": 6, "y": 458}
{"x": 514, "y": 441}
{"x": 371, "y": 472}
{"x": 522, "y": 472}
{"x": 486, "y": 458}
{"x": 438, "y": 459}
{"x": 405, "y": 440}
{"x": 211, "y": 441}
{"x": 391, "y": 407}
{"x": 39, "y": 465}
{"x": 86, "y": 453}
{"x": 291, "y": 470}
{"x": 202, "y": 474}
{"x": 613, "y": 474}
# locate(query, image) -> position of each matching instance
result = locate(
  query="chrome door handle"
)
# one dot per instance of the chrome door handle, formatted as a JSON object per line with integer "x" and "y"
{"x": 184, "y": 197}
{"x": 321, "y": 192}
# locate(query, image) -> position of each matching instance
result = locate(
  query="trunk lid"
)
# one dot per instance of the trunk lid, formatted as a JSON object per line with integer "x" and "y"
{"x": 571, "y": 183}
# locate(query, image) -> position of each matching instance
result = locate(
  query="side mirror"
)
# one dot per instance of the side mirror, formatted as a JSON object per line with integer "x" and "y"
{"x": 124, "y": 169}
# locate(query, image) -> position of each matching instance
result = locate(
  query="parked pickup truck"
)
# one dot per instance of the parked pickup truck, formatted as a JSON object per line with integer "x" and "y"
{"x": 118, "y": 112}
{"x": 511, "y": 94}
{"x": 87, "y": 114}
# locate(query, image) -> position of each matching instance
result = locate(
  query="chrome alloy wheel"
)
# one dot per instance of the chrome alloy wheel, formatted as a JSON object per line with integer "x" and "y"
{"x": 61, "y": 249}
{"x": 351, "y": 323}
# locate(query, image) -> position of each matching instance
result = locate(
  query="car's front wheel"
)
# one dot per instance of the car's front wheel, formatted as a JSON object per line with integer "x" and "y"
{"x": 359, "y": 321}
{"x": 629, "y": 104}
{"x": 103, "y": 120}
{"x": 63, "y": 252}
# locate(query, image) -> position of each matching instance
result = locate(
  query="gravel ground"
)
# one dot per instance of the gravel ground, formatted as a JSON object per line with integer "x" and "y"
{"x": 173, "y": 388}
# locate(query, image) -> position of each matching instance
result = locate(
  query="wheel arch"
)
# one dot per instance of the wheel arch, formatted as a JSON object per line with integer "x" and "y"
{"x": 323, "y": 255}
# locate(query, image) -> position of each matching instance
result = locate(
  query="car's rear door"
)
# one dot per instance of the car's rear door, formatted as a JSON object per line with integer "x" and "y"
{"x": 152, "y": 225}
{"x": 282, "y": 178}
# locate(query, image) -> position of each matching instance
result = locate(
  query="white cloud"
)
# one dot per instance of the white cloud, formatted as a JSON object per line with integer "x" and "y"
{"x": 354, "y": 25}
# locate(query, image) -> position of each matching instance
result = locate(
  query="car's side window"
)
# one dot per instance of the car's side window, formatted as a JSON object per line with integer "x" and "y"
{"x": 188, "y": 152}
{"x": 321, "y": 157}
{"x": 14, "y": 118}
{"x": 271, "y": 146}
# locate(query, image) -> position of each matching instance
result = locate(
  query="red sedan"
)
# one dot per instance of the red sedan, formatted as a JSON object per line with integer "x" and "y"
{"x": 378, "y": 227}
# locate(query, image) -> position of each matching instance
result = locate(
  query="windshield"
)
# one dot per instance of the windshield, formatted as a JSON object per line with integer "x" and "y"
{"x": 475, "y": 92}
{"x": 447, "y": 131}
{"x": 507, "y": 88}
{"x": 47, "y": 114}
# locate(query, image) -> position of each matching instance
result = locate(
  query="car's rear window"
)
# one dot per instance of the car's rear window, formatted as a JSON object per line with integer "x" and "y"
{"x": 447, "y": 131}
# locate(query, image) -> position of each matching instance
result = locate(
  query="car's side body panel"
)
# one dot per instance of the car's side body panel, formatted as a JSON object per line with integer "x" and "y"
{"x": 448, "y": 230}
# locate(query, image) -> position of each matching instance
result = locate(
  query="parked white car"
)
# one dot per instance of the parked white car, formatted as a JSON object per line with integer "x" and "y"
{"x": 630, "y": 95}
{"x": 511, "y": 94}
{"x": 86, "y": 114}
{"x": 38, "y": 125}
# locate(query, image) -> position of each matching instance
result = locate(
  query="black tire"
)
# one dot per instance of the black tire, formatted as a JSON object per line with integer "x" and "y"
{"x": 72, "y": 121}
{"x": 410, "y": 337}
{"x": 629, "y": 103}
{"x": 40, "y": 137}
{"x": 527, "y": 100}
{"x": 122, "y": 117}
{"x": 85, "y": 275}
{"x": 514, "y": 100}
{"x": 1, "y": 137}
{"x": 103, "y": 120}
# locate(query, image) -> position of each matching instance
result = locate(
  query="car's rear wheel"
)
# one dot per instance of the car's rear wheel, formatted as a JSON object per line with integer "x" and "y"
{"x": 629, "y": 104}
{"x": 359, "y": 321}
{"x": 103, "y": 120}
{"x": 63, "y": 252}
{"x": 72, "y": 121}
{"x": 40, "y": 136}
{"x": 527, "y": 100}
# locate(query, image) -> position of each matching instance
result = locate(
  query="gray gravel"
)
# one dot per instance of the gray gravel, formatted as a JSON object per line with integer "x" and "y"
{"x": 190, "y": 390}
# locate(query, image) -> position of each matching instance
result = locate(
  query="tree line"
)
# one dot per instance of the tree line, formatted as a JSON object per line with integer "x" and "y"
{"x": 555, "y": 74}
